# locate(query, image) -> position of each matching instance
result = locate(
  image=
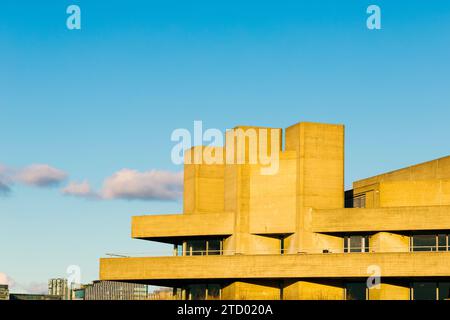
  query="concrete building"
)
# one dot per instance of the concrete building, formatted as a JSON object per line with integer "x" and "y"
{"x": 114, "y": 290}
{"x": 31, "y": 296}
{"x": 4, "y": 292}
{"x": 59, "y": 287}
{"x": 296, "y": 234}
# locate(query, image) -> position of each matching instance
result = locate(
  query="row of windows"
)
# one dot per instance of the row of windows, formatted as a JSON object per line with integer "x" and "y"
{"x": 429, "y": 290}
{"x": 430, "y": 242}
{"x": 353, "y": 243}
{"x": 203, "y": 292}
{"x": 356, "y": 244}
{"x": 201, "y": 247}
{"x": 419, "y": 290}
{"x": 419, "y": 242}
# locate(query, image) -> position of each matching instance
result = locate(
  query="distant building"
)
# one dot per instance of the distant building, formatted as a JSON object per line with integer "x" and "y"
{"x": 79, "y": 293}
{"x": 23, "y": 296}
{"x": 113, "y": 290}
{"x": 59, "y": 287}
{"x": 164, "y": 294}
{"x": 4, "y": 292}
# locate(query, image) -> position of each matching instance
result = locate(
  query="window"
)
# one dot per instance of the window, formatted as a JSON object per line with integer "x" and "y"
{"x": 430, "y": 290}
{"x": 444, "y": 290}
{"x": 179, "y": 249}
{"x": 424, "y": 290}
{"x": 213, "y": 291}
{"x": 359, "y": 201}
{"x": 356, "y": 291}
{"x": 197, "y": 247}
{"x": 442, "y": 242}
{"x": 356, "y": 243}
{"x": 203, "y": 292}
{"x": 204, "y": 247}
{"x": 429, "y": 242}
{"x": 196, "y": 292}
{"x": 214, "y": 247}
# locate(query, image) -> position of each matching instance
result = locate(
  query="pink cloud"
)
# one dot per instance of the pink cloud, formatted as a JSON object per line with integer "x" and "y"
{"x": 150, "y": 185}
{"x": 41, "y": 175}
{"x": 81, "y": 189}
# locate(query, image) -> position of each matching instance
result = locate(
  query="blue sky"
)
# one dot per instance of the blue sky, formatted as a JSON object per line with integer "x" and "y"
{"x": 94, "y": 101}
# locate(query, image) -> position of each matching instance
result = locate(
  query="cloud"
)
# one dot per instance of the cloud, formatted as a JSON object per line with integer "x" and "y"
{"x": 41, "y": 175}
{"x": 30, "y": 288}
{"x": 5, "y": 181}
{"x": 82, "y": 189}
{"x": 35, "y": 288}
{"x": 4, "y": 189}
{"x": 5, "y": 279}
{"x": 150, "y": 185}
{"x": 132, "y": 185}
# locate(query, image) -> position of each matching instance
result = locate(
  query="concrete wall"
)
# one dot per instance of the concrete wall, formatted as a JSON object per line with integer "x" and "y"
{"x": 390, "y": 290}
{"x": 431, "y": 170}
{"x": 252, "y": 290}
{"x": 168, "y": 226}
{"x": 389, "y": 242}
{"x": 313, "y": 290}
{"x": 415, "y": 193}
{"x": 203, "y": 184}
{"x": 381, "y": 219}
{"x": 354, "y": 265}
{"x": 272, "y": 202}
{"x": 320, "y": 178}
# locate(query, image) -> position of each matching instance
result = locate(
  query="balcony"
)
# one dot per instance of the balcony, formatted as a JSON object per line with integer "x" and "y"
{"x": 354, "y": 265}
{"x": 381, "y": 219}
{"x": 168, "y": 228}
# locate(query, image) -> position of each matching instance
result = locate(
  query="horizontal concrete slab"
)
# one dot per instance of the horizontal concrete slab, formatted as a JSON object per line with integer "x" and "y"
{"x": 409, "y": 264}
{"x": 381, "y": 219}
{"x": 155, "y": 227}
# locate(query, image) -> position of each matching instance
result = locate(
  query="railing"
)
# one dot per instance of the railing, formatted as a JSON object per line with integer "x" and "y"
{"x": 350, "y": 250}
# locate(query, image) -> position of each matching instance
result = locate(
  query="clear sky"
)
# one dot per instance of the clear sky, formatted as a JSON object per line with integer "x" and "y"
{"x": 86, "y": 104}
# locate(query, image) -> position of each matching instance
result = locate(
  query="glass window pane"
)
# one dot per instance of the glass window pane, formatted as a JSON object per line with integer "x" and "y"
{"x": 424, "y": 290}
{"x": 356, "y": 243}
{"x": 196, "y": 247}
{"x": 214, "y": 247}
{"x": 213, "y": 291}
{"x": 356, "y": 290}
{"x": 444, "y": 290}
{"x": 197, "y": 292}
{"x": 442, "y": 242}
{"x": 424, "y": 242}
{"x": 359, "y": 201}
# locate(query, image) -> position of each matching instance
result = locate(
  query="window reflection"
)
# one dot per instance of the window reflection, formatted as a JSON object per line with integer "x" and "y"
{"x": 424, "y": 242}
{"x": 203, "y": 292}
{"x": 356, "y": 243}
{"x": 430, "y": 290}
{"x": 214, "y": 247}
{"x": 201, "y": 247}
{"x": 429, "y": 242}
{"x": 356, "y": 290}
{"x": 424, "y": 290}
{"x": 444, "y": 290}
